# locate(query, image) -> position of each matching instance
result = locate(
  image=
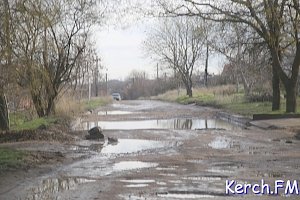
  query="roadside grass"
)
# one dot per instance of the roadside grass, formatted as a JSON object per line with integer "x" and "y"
{"x": 20, "y": 122}
{"x": 249, "y": 108}
{"x": 66, "y": 108}
{"x": 96, "y": 102}
{"x": 223, "y": 97}
{"x": 11, "y": 159}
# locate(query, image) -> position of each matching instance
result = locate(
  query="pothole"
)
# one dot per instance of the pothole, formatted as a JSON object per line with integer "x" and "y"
{"x": 134, "y": 145}
{"x": 189, "y": 194}
{"x": 136, "y": 185}
{"x": 223, "y": 170}
{"x": 168, "y": 174}
{"x": 220, "y": 143}
{"x": 271, "y": 174}
{"x": 131, "y": 165}
{"x": 165, "y": 168}
{"x": 114, "y": 112}
{"x": 173, "y": 124}
{"x": 195, "y": 161}
{"x": 203, "y": 178}
{"x": 49, "y": 188}
{"x": 78, "y": 148}
{"x": 138, "y": 181}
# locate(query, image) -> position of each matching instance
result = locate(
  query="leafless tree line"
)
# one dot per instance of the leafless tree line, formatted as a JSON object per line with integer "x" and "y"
{"x": 43, "y": 45}
{"x": 178, "y": 44}
{"x": 273, "y": 23}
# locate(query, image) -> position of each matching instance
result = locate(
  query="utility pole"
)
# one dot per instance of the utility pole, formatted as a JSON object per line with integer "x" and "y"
{"x": 96, "y": 77}
{"x": 106, "y": 84}
{"x": 89, "y": 82}
{"x": 157, "y": 71}
{"x": 90, "y": 73}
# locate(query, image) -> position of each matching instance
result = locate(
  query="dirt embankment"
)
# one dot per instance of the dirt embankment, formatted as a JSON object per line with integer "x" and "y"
{"x": 41, "y": 152}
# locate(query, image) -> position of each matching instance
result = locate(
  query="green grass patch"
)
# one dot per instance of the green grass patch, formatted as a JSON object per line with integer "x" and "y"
{"x": 198, "y": 98}
{"x": 248, "y": 109}
{"x": 66, "y": 109}
{"x": 11, "y": 159}
{"x": 96, "y": 102}
{"x": 20, "y": 122}
{"x": 226, "y": 98}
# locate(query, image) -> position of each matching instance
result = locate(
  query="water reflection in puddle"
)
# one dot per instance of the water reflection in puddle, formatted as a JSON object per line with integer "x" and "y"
{"x": 140, "y": 181}
{"x": 187, "y": 195}
{"x": 50, "y": 188}
{"x": 134, "y": 145}
{"x": 223, "y": 170}
{"x": 187, "y": 124}
{"x": 220, "y": 143}
{"x": 203, "y": 178}
{"x": 114, "y": 112}
{"x": 270, "y": 174}
{"x": 130, "y": 165}
{"x": 166, "y": 168}
{"x": 137, "y": 183}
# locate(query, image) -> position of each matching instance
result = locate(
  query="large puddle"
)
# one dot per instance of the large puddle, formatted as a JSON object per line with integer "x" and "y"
{"x": 131, "y": 165}
{"x": 220, "y": 143}
{"x": 50, "y": 188}
{"x": 187, "y": 124}
{"x": 114, "y": 112}
{"x": 190, "y": 195}
{"x": 134, "y": 145}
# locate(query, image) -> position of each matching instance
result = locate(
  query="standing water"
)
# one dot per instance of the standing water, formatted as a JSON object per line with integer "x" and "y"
{"x": 175, "y": 124}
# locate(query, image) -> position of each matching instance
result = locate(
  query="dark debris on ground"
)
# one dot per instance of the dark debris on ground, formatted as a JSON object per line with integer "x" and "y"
{"x": 51, "y": 134}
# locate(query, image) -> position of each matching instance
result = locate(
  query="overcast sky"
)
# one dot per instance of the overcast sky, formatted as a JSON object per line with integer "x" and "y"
{"x": 121, "y": 50}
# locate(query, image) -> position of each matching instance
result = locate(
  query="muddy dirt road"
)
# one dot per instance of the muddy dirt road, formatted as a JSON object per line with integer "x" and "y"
{"x": 164, "y": 151}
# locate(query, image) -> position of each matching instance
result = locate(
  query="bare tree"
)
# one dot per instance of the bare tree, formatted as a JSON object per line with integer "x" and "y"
{"x": 5, "y": 60}
{"x": 178, "y": 44}
{"x": 247, "y": 55}
{"x": 52, "y": 36}
{"x": 276, "y": 22}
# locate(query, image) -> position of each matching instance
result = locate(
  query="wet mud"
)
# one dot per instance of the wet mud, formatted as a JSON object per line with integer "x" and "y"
{"x": 164, "y": 151}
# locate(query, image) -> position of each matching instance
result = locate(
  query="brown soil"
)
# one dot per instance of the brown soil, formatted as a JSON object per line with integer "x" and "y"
{"x": 193, "y": 162}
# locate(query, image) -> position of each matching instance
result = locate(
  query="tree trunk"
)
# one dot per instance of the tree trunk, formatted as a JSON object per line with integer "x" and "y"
{"x": 189, "y": 91}
{"x": 37, "y": 101}
{"x": 51, "y": 106}
{"x": 4, "y": 117}
{"x": 276, "y": 90}
{"x": 188, "y": 86}
{"x": 291, "y": 97}
{"x": 186, "y": 79}
{"x": 290, "y": 83}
